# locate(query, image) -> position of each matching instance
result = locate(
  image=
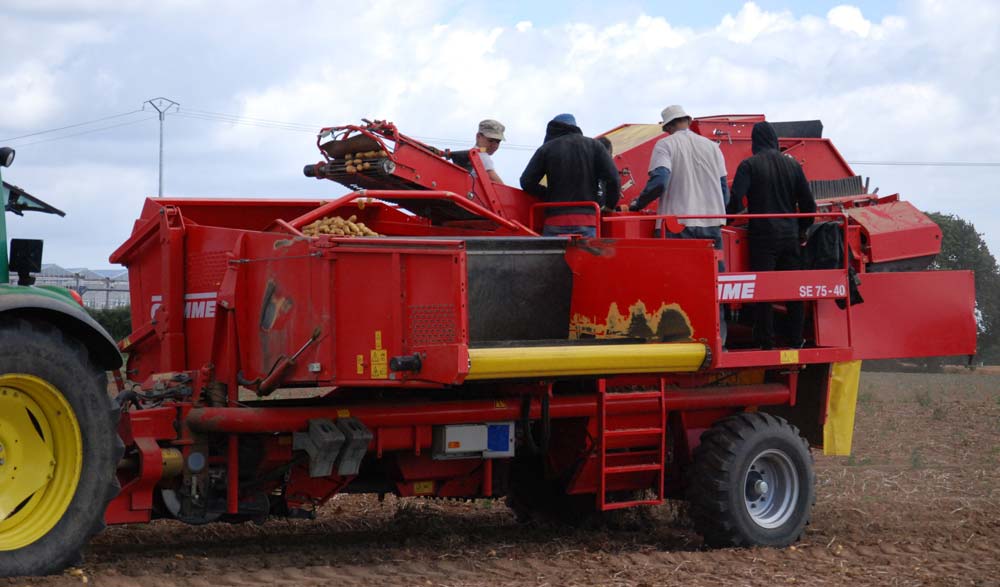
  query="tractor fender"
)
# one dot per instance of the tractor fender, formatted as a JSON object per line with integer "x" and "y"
{"x": 66, "y": 316}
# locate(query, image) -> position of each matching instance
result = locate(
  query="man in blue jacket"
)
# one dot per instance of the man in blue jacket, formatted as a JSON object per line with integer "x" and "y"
{"x": 573, "y": 167}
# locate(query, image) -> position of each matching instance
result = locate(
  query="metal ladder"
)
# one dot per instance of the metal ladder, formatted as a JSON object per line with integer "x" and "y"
{"x": 623, "y": 463}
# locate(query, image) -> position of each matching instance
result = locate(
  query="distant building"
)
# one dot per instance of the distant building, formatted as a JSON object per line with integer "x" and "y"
{"x": 100, "y": 288}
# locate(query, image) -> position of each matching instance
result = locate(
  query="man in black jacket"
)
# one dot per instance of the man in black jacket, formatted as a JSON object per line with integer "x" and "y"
{"x": 773, "y": 183}
{"x": 573, "y": 166}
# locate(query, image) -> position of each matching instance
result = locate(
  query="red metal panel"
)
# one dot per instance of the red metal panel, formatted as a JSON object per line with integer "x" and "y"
{"x": 919, "y": 314}
{"x": 659, "y": 288}
{"x": 897, "y": 230}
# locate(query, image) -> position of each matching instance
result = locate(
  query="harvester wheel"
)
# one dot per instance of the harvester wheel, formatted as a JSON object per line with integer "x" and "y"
{"x": 752, "y": 483}
{"x": 58, "y": 449}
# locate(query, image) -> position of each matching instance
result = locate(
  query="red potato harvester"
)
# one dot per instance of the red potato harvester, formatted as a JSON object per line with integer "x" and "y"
{"x": 417, "y": 337}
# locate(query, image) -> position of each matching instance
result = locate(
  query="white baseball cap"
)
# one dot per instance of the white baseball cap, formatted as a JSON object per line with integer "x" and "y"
{"x": 672, "y": 113}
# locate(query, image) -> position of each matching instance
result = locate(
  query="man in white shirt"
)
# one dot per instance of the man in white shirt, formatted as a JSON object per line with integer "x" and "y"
{"x": 688, "y": 174}
{"x": 488, "y": 141}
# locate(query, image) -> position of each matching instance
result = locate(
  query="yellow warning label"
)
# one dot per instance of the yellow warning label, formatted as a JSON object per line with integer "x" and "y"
{"x": 342, "y": 413}
{"x": 361, "y": 364}
{"x": 378, "y": 339}
{"x": 423, "y": 487}
{"x": 380, "y": 364}
{"x": 499, "y": 403}
{"x": 789, "y": 357}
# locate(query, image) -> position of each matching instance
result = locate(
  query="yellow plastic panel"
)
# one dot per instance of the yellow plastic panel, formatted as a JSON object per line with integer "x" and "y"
{"x": 838, "y": 431}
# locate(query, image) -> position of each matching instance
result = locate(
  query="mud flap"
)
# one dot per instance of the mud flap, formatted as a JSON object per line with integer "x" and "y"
{"x": 838, "y": 430}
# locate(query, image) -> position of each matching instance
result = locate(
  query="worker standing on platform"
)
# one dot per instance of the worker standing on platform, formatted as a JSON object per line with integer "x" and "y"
{"x": 573, "y": 167}
{"x": 488, "y": 141}
{"x": 773, "y": 184}
{"x": 688, "y": 174}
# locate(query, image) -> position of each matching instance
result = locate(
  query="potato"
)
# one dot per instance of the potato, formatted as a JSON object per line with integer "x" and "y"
{"x": 351, "y": 169}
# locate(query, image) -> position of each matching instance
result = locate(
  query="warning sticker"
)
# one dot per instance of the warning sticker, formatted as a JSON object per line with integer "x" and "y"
{"x": 423, "y": 487}
{"x": 789, "y": 357}
{"x": 379, "y": 359}
{"x": 380, "y": 364}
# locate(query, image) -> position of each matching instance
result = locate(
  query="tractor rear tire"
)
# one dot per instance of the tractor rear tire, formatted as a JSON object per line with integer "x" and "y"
{"x": 60, "y": 448}
{"x": 752, "y": 483}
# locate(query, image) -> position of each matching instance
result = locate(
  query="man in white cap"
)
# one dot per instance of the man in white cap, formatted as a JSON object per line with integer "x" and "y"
{"x": 488, "y": 141}
{"x": 688, "y": 174}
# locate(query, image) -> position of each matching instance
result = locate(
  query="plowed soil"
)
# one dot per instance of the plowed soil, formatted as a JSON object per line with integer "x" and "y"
{"x": 917, "y": 504}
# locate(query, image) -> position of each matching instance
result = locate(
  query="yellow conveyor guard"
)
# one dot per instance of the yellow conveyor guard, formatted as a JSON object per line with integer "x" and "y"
{"x": 553, "y": 361}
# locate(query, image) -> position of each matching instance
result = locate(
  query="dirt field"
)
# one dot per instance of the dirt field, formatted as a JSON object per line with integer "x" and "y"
{"x": 917, "y": 504}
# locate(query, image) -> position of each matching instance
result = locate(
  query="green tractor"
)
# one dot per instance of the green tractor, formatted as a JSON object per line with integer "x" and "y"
{"x": 59, "y": 446}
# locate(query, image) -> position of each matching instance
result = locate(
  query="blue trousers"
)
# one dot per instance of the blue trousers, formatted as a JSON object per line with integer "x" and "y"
{"x": 555, "y": 230}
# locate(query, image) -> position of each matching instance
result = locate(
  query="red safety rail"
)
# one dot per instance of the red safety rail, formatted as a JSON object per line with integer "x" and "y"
{"x": 536, "y": 226}
{"x": 891, "y": 231}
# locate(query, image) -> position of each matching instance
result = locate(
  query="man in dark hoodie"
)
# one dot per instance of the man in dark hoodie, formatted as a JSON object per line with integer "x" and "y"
{"x": 773, "y": 183}
{"x": 573, "y": 167}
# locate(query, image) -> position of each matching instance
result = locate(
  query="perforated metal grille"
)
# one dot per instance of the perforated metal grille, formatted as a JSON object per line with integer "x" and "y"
{"x": 205, "y": 271}
{"x": 433, "y": 324}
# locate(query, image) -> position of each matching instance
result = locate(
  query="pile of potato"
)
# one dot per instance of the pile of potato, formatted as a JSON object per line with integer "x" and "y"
{"x": 355, "y": 162}
{"x": 337, "y": 226}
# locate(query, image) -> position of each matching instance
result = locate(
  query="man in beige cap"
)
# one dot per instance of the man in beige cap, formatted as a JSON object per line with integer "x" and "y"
{"x": 488, "y": 141}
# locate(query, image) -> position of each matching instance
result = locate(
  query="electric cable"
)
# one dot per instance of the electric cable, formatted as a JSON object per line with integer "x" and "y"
{"x": 269, "y": 123}
{"x": 930, "y": 163}
{"x": 87, "y": 132}
{"x": 51, "y": 130}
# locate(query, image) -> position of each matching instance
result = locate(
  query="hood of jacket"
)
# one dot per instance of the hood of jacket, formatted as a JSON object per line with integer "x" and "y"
{"x": 763, "y": 137}
{"x": 557, "y": 129}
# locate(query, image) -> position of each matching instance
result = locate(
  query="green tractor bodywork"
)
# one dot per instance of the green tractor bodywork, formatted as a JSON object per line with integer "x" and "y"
{"x": 51, "y": 304}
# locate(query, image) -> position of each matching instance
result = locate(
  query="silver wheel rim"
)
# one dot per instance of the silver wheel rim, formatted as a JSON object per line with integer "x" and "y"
{"x": 771, "y": 489}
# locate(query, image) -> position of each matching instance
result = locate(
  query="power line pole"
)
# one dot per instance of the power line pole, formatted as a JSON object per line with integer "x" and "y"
{"x": 162, "y": 106}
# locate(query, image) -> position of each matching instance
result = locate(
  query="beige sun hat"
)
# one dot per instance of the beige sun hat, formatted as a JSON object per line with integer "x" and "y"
{"x": 671, "y": 113}
{"x": 491, "y": 129}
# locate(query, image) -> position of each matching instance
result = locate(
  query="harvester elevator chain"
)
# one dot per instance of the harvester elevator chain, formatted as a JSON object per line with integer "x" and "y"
{"x": 326, "y": 441}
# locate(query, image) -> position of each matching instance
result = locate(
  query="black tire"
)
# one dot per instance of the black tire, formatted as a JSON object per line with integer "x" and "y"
{"x": 730, "y": 507}
{"x": 39, "y": 349}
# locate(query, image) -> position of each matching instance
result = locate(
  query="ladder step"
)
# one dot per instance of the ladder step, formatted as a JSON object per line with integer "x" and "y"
{"x": 632, "y": 395}
{"x": 632, "y": 432}
{"x": 622, "y": 469}
{"x": 620, "y": 505}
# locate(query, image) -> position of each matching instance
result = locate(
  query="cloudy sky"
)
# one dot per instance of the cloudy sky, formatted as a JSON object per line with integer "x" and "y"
{"x": 907, "y": 81}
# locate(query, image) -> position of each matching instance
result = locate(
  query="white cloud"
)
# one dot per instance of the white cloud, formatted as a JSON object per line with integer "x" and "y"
{"x": 751, "y": 22}
{"x": 849, "y": 19}
{"x": 523, "y": 26}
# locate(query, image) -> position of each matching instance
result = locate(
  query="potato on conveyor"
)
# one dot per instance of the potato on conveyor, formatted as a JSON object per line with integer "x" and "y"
{"x": 338, "y": 226}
